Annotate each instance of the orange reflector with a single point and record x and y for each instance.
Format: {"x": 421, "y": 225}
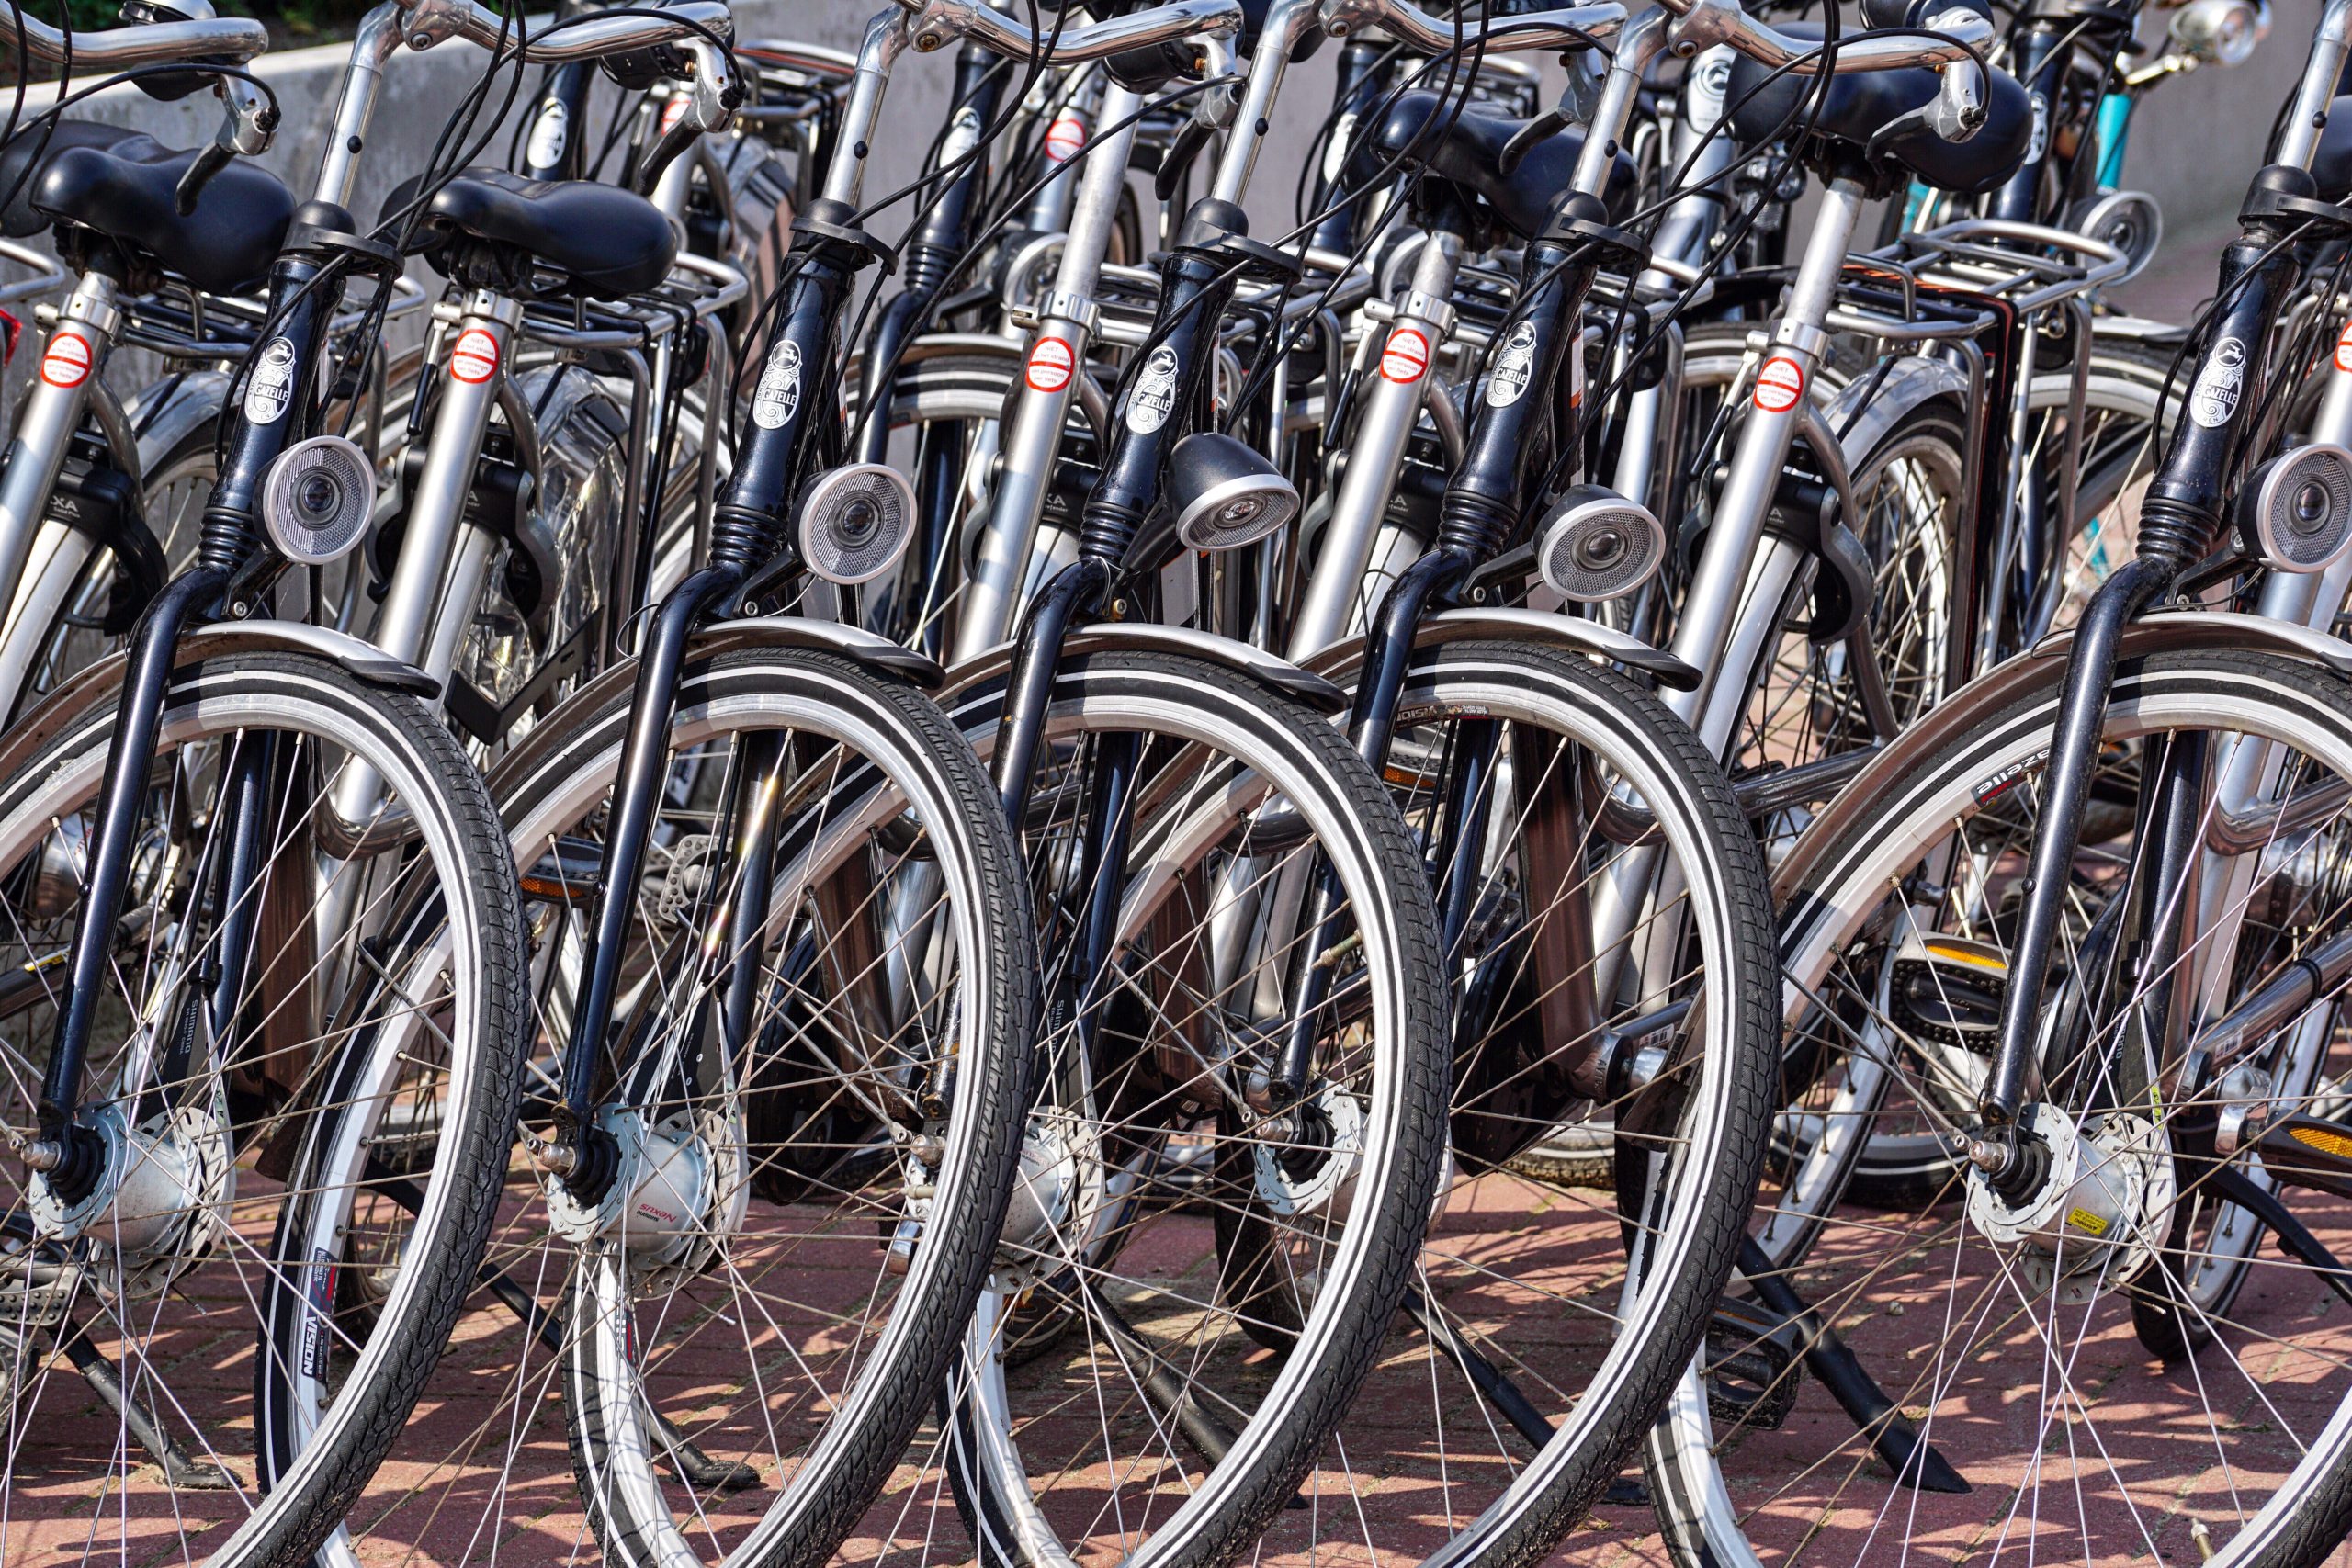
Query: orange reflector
{"x": 2324, "y": 1140}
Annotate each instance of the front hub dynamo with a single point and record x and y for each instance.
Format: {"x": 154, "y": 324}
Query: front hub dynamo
{"x": 2099, "y": 1212}
{"x": 161, "y": 1200}
{"x": 678, "y": 1192}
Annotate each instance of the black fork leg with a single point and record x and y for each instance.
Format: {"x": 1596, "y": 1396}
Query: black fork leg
{"x": 66, "y": 1153}
{"x": 576, "y": 1156}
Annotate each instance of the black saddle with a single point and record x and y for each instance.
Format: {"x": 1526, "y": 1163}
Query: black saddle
{"x": 125, "y": 185}
{"x": 2332, "y": 161}
{"x": 1469, "y": 152}
{"x": 606, "y": 240}
{"x": 1862, "y": 104}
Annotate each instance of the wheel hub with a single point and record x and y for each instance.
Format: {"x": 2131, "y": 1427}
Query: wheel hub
{"x": 678, "y": 1192}
{"x": 160, "y": 1201}
{"x": 2094, "y": 1218}
{"x": 1290, "y": 1184}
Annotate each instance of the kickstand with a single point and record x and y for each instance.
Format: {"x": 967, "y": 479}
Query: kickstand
{"x": 178, "y": 1468}
{"x": 1494, "y": 1385}
{"x": 1201, "y": 1427}
{"x": 1914, "y": 1459}
{"x": 680, "y": 1452}
{"x": 2229, "y": 1182}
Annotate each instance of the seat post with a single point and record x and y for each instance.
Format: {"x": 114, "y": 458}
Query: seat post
{"x": 71, "y": 358}
{"x": 1718, "y": 595}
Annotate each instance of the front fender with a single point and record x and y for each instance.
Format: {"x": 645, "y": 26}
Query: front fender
{"x": 1544, "y": 628}
{"x": 2160, "y": 631}
{"x": 1120, "y": 636}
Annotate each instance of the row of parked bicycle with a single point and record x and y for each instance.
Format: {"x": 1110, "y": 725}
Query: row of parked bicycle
{"x": 1621, "y": 821}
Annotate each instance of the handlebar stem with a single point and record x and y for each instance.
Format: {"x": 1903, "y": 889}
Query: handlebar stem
{"x": 2331, "y": 40}
{"x": 1645, "y": 36}
{"x": 1286, "y": 24}
{"x": 886, "y": 40}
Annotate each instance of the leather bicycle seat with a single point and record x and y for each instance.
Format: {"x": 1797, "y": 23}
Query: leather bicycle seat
{"x": 2332, "y": 160}
{"x": 1467, "y": 149}
{"x": 1862, "y": 104}
{"x": 125, "y": 185}
{"x": 606, "y": 240}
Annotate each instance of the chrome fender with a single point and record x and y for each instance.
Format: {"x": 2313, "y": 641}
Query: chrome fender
{"x": 1117, "y": 636}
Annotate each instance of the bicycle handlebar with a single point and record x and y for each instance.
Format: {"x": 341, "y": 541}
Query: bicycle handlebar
{"x": 1697, "y": 24}
{"x": 425, "y": 23}
{"x": 232, "y": 38}
{"x": 1959, "y": 30}
{"x": 1568, "y": 28}
{"x": 934, "y": 23}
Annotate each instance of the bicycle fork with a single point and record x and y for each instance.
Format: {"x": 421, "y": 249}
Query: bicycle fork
{"x": 2179, "y": 519}
{"x": 68, "y": 1156}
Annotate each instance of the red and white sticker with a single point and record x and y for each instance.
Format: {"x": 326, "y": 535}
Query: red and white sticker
{"x": 2343, "y": 348}
{"x": 1064, "y": 138}
{"x": 1049, "y": 365}
{"x": 66, "y": 363}
{"x": 1778, "y": 385}
{"x": 1406, "y": 356}
{"x": 673, "y": 112}
{"x": 475, "y": 358}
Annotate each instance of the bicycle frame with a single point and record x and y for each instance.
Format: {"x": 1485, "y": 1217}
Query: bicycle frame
{"x": 236, "y": 567}
{"x": 2179, "y": 519}
{"x": 752, "y": 554}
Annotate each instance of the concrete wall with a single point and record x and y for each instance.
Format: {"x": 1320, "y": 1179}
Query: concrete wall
{"x": 2200, "y": 137}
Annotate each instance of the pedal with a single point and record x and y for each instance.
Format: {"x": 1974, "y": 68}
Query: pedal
{"x": 1949, "y": 989}
{"x": 568, "y": 873}
{"x": 1750, "y": 1367}
{"x": 2308, "y": 1152}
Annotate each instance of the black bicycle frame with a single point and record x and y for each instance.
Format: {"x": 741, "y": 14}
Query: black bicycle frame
{"x": 2180, "y": 519}
{"x": 1158, "y": 399}
{"x": 751, "y": 547}
{"x": 234, "y": 559}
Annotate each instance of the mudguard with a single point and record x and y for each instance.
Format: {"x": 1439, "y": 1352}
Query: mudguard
{"x": 2160, "y": 631}
{"x": 1114, "y": 637}
{"x": 1544, "y": 628}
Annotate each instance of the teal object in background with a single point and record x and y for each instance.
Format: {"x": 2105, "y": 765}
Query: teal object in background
{"x": 2114, "y": 125}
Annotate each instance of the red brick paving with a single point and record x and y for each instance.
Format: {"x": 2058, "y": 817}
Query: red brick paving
{"x": 441, "y": 1499}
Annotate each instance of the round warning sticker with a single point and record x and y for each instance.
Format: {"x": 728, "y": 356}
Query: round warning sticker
{"x": 1406, "y": 356}
{"x": 1049, "y": 365}
{"x": 67, "y": 365}
{"x": 1779, "y": 386}
{"x": 475, "y": 358}
{"x": 1064, "y": 138}
{"x": 2343, "y": 348}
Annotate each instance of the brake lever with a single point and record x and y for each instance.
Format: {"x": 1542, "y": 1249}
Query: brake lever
{"x": 703, "y": 102}
{"x": 1550, "y": 122}
{"x": 248, "y": 120}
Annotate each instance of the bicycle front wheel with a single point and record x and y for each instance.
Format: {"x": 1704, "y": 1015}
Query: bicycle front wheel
{"x": 2155, "y": 1368}
{"x": 814, "y": 1084}
{"x": 1240, "y": 1131}
{"x": 173, "y": 1346}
